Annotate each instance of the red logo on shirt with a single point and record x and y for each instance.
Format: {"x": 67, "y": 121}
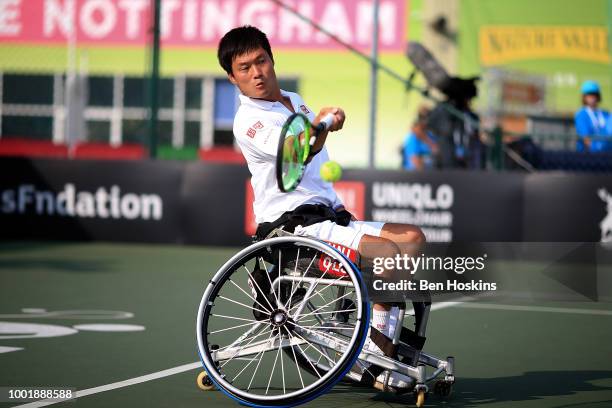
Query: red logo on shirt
{"x": 258, "y": 125}
{"x": 304, "y": 109}
{"x": 251, "y": 132}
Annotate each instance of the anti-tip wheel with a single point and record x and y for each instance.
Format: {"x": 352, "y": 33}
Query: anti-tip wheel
{"x": 420, "y": 398}
{"x": 204, "y": 383}
{"x": 443, "y": 388}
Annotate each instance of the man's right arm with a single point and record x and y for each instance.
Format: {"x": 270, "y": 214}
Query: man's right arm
{"x": 338, "y": 122}
{"x": 262, "y": 134}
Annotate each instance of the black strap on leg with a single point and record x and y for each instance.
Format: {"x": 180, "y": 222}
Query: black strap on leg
{"x": 388, "y": 348}
{"x": 412, "y": 339}
{"x": 383, "y": 342}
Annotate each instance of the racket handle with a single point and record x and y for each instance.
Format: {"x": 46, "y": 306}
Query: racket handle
{"x": 326, "y": 122}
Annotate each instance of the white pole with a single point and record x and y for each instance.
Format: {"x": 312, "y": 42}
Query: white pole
{"x": 69, "y": 86}
{"x": 373, "y": 85}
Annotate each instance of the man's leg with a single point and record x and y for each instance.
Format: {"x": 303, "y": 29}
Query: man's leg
{"x": 390, "y": 240}
{"x": 409, "y": 238}
{"x": 395, "y": 239}
{"x": 373, "y": 239}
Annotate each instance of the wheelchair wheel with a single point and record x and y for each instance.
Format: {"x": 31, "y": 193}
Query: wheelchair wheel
{"x": 282, "y": 321}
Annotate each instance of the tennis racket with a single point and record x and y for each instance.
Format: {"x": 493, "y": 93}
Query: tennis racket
{"x": 297, "y": 137}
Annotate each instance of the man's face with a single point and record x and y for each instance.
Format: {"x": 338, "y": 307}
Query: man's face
{"x": 591, "y": 100}
{"x": 253, "y": 73}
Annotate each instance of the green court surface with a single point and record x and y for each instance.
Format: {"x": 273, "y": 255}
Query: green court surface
{"x": 544, "y": 354}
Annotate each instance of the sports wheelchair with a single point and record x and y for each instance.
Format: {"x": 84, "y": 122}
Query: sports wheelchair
{"x": 286, "y": 318}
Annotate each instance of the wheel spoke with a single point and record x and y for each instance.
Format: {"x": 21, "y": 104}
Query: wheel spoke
{"x": 320, "y": 290}
{"x": 321, "y": 296}
{"x": 317, "y": 317}
{"x": 258, "y": 363}
{"x": 325, "y": 305}
{"x": 235, "y": 318}
{"x": 259, "y": 288}
{"x": 238, "y": 340}
{"x": 280, "y": 340}
{"x": 230, "y": 328}
{"x": 324, "y": 334}
{"x": 271, "y": 286}
{"x": 250, "y": 362}
{"x": 327, "y": 327}
{"x": 297, "y": 365}
{"x": 329, "y": 311}
{"x": 292, "y": 281}
{"x": 316, "y": 349}
{"x": 303, "y": 276}
{"x": 242, "y": 304}
{"x": 239, "y": 350}
{"x": 248, "y": 295}
{"x": 278, "y": 278}
{"x": 282, "y": 365}
{"x": 304, "y": 353}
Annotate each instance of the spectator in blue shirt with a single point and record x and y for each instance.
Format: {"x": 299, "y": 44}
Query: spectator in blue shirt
{"x": 592, "y": 121}
{"x": 420, "y": 146}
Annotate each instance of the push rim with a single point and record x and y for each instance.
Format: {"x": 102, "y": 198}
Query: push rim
{"x": 337, "y": 371}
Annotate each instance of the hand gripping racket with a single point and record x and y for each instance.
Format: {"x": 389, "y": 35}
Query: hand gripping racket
{"x": 297, "y": 137}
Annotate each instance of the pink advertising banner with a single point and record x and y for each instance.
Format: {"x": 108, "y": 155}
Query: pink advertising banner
{"x": 201, "y": 22}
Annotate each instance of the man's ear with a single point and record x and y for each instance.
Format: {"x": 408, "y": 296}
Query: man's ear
{"x": 232, "y": 79}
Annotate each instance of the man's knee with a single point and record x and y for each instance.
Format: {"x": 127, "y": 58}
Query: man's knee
{"x": 380, "y": 255}
{"x": 415, "y": 235}
{"x": 405, "y": 233}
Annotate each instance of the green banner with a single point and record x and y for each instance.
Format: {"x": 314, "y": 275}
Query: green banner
{"x": 562, "y": 40}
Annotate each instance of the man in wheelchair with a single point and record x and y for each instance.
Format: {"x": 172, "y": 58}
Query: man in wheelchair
{"x": 313, "y": 209}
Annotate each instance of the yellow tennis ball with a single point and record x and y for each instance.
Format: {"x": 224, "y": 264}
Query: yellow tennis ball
{"x": 331, "y": 171}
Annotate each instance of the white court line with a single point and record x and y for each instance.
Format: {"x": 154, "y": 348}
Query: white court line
{"x": 535, "y": 308}
{"x": 442, "y": 305}
{"x": 120, "y": 384}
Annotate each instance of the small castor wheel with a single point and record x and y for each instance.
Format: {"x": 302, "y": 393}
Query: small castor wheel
{"x": 443, "y": 388}
{"x": 420, "y": 401}
{"x": 204, "y": 383}
{"x": 420, "y": 398}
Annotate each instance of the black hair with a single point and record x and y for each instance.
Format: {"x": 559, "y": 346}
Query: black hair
{"x": 238, "y": 41}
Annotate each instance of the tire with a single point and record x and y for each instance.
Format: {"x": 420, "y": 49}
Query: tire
{"x": 249, "y": 330}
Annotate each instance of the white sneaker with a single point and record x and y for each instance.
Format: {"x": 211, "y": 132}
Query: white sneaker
{"x": 361, "y": 367}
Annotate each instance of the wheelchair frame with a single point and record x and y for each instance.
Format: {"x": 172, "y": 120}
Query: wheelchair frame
{"x": 332, "y": 338}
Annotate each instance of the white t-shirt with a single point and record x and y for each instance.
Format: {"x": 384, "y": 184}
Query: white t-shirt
{"x": 257, "y": 128}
